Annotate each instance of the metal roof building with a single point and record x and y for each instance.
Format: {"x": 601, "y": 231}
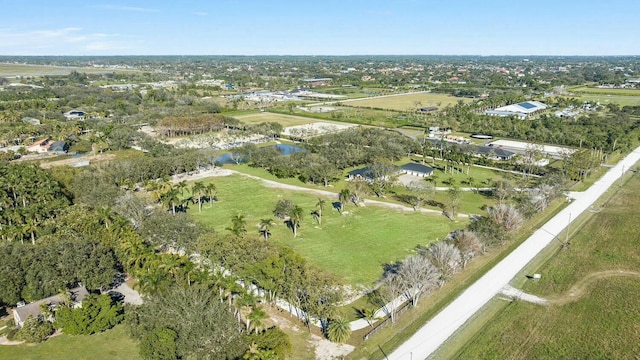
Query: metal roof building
{"x": 521, "y": 110}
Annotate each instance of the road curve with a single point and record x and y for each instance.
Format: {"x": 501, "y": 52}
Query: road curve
{"x": 434, "y": 333}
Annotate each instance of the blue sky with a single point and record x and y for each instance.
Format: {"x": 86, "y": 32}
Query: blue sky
{"x": 319, "y": 27}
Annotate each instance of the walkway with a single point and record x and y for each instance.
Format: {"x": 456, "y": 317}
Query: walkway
{"x": 433, "y": 334}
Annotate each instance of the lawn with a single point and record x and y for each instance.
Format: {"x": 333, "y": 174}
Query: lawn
{"x": 354, "y": 246}
{"x": 622, "y": 100}
{"x": 112, "y": 344}
{"x": 9, "y": 70}
{"x": 605, "y": 91}
{"x": 602, "y": 319}
{"x": 405, "y": 102}
{"x": 284, "y": 120}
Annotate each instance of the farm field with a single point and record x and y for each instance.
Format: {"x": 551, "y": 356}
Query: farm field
{"x": 593, "y": 288}
{"x": 622, "y": 100}
{"x": 10, "y": 70}
{"x": 595, "y": 90}
{"x": 282, "y": 119}
{"x": 408, "y": 101}
{"x": 112, "y": 344}
{"x": 353, "y": 246}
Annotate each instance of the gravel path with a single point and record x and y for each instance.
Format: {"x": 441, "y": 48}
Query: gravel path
{"x": 434, "y": 333}
{"x": 217, "y": 171}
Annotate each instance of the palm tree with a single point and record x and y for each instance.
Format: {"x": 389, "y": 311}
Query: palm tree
{"x": 339, "y": 330}
{"x": 256, "y": 316}
{"x": 198, "y": 190}
{"x": 369, "y": 314}
{"x": 30, "y": 228}
{"x": 181, "y": 186}
{"x": 238, "y": 225}
{"x": 265, "y": 224}
{"x": 105, "y": 216}
{"x": 210, "y": 190}
{"x": 296, "y": 215}
{"x": 344, "y": 197}
{"x": 152, "y": 281}
{"x": 320, "y": 206}
{"x": 170, "y": 199}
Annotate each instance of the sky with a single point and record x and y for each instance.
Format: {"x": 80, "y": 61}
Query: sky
{"x": 320, "y": 27}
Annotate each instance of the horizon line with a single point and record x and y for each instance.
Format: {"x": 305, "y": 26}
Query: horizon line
{"x": 328, "y": 55}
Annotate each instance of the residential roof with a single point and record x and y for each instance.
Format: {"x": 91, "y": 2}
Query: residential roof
{"x": 21, "y": 313}
{"x": 39, "y": 143}
{"x": 58, "y": 146}
{"x": 417, "y": 168}
{"x": 363, "y": 172}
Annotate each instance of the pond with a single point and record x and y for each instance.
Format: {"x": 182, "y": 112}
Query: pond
{"x": 285, "y": 149}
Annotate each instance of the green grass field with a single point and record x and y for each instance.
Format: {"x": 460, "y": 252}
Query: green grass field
{"x": 353, "y": 246}
{"x": 284, "y": 120}
{"x": 622, "y": 100}
{"x": 10, "y": 70}
{"x": 594, "y": 311}
{"x": 408, "y": 102}
{"x": 112, "y": 344}
{"x": 605, "y": 91}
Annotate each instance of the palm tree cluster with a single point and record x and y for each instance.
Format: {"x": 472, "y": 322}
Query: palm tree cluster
{"x": 182, "y": 125}
{"x": 28, "y": 196}
{"x": 174, "y": 196}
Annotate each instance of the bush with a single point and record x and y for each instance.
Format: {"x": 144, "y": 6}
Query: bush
{"x": 159, "y": 344}
{"x": 339, "y": 330}
{"x": 272, "y": 340}
{"x": 35, "y": 330}
{"x": 98, "y": 313}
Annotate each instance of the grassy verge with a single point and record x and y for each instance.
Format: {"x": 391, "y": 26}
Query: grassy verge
{"x": 112, "y": 344}
{"x": 600, "y": 321}
{"x": 408, "y": 323}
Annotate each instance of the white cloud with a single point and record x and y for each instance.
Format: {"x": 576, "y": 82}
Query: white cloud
{"x": 200, "y": 13}
{"x": 126, "y": 8}
{"x": 66, "y": 41}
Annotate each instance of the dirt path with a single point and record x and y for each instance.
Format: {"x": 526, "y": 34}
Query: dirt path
{"x": 334, "y": 195}
{"x": 274, "y": 184}
{"x": 581, "y": 288}
{"x": 321, "y": 348}
{"x": 92, "y": 159}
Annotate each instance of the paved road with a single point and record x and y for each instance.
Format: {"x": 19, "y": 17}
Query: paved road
{"x": 427, "y": 340}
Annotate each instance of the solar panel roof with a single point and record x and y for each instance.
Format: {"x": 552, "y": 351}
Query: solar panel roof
{"x": 527, "y": 105}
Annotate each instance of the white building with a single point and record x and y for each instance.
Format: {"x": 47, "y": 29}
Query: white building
{"x": 521, "y": 110}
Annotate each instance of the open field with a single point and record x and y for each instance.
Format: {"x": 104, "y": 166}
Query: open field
{"x": 606, "y": 91}
{"x": 408, "y": 102}
{"x": 112, "y": 344}
{"x": 593, "y": 291}
{"x": 11, "y": 70}
{"x": 284, "y": 120}
{"x": 622, "y": 100}
{"x": 354, "y": 246}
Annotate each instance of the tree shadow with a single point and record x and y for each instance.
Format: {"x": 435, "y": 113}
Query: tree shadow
{"x": 336, "y": 205}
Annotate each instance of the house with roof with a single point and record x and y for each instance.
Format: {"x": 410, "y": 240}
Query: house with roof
{"x": 365, "y": 173}
{"x": 30, "y": 120}
{"x": 58, "y": 147}
{"x": 494, "y": 153}
{"x": 40, "y": 146}
{"x": 22, "y": 312}
{"x": 521, "y": 110}
{"x": 75, "y": 115}
{"x": 416, "y": 169}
